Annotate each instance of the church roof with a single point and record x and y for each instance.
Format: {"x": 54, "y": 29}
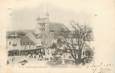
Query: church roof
{"x": 26, "y": 39}
{"x": 21, "y": 34}
{"x": 57, "y": 27}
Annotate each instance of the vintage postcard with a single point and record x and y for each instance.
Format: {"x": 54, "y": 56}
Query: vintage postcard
{"x": 57, "y": 36}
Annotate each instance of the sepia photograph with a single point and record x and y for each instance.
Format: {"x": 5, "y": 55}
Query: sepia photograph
{"x": 54, "y": 36}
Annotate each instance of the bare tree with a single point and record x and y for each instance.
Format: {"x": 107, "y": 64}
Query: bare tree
{"x": 76, "y": 42}
{"x": 80, "y": 39}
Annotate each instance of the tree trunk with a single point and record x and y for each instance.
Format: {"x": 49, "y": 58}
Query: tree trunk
{"x": 79, "y": 56}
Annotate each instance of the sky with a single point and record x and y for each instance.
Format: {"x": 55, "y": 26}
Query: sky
{"x": 25, "y": 18}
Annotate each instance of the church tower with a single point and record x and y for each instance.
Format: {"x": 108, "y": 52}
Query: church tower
{"x": 42, "y": 22}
